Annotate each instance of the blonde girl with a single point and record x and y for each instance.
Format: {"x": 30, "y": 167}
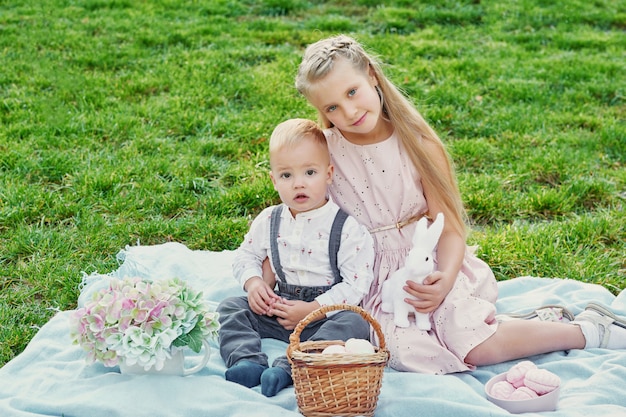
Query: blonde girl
{"x": 391, "y": 169}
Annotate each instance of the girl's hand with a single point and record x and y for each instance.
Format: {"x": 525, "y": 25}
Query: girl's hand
{"x": 261, "y": 297}
{"x": 268, "y": 274}
{"x": 430, "y": 294}
{"x": 290, "y": 312}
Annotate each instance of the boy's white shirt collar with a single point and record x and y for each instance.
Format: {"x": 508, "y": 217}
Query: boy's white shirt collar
{"x": 325, "y": 210}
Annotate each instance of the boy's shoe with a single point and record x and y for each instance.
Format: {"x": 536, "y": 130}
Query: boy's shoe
{"x": 273, "y": 380}
{"x": 246, "y": 373}
{"x": 548, "y": 312}
{"x": 601, "y": 327}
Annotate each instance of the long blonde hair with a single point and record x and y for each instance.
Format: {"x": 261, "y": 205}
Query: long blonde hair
{"x": 407, "y": 121}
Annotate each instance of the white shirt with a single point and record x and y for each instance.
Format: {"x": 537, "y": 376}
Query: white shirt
{"x": 303, "y": 250}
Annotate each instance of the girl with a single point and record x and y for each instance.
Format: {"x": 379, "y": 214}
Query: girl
{"x": 391, "y": 169}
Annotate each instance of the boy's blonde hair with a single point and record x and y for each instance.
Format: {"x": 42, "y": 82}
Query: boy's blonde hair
{"x": 408, "y": 123}
{"x": 293, "y": 131}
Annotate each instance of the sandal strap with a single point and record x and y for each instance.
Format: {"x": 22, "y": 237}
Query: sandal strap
{"x": 603, "y": 311}
{"x": 550, "y": 312}
{"x": 603, "y": 322}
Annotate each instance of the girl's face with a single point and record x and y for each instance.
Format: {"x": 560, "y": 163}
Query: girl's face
{"x": 348, "y": 98}
{"x": 301, "y": 175}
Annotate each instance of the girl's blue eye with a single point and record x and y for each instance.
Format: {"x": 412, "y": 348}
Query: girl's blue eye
{"x": 331, "y": 108}
{"x": 352, "y": 92}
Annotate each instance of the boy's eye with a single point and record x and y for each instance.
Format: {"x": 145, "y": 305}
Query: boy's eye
{"x": 310, "y": 172}
{"x": 285, "y": 175}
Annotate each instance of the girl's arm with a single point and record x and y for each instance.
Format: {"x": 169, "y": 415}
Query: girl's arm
{"x": 450, "y": 251}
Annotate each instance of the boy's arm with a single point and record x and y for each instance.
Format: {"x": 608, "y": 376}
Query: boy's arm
{"x": 250, "y": 265}
{"x": 249, "y": 257}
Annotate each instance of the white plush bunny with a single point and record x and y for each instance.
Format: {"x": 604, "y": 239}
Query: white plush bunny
{"x": 419, "y": 263}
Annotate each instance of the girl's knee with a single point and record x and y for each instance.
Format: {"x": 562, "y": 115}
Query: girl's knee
{"x": 483, "y": 354}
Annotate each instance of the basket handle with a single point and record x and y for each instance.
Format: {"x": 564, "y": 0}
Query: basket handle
{"x": 294, "y": 338}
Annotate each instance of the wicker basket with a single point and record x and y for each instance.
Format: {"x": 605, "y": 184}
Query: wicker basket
{"x": 335, "y": 384}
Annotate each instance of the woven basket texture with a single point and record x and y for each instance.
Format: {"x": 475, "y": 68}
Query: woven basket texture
{"x": 343, "y": 384}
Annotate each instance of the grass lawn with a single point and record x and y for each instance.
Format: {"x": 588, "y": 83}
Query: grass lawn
{"x": 125, "y": 122}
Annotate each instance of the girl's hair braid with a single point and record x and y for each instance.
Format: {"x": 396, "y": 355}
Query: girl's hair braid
{"x": 409, "y": 124}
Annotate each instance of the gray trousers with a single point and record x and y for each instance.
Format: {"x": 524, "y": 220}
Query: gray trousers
{"x": 241, "y": 331}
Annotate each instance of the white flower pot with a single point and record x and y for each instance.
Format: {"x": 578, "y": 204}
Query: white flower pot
{"x": 173, "y": 366}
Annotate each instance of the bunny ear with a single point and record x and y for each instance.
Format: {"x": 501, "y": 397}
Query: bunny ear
{"x": 435, "y": 229}
{"x": 421, "y": 231}
{"x": 427, "y": 237}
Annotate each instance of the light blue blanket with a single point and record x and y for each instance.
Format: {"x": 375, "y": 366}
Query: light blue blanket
{"x": 51, "y": 378}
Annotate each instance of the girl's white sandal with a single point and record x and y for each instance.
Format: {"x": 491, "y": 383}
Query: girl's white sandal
{"x": 602, "y": 318}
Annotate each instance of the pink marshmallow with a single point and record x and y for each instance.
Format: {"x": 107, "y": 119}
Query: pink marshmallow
{"x": 502, "y": 390}
{"x": 522, "y": 393}
{"x": 541, "y": 381}
{"x": 516, "y": 374}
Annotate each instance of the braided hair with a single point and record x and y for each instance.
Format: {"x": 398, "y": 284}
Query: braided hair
{"x": 410, "y": 126}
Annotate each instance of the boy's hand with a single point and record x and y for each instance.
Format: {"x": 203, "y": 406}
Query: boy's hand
{"x": 260, "y": 296}
{"x": 290, "y": 312}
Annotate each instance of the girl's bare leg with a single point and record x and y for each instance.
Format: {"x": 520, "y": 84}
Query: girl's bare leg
{"x": 518, "y": 339}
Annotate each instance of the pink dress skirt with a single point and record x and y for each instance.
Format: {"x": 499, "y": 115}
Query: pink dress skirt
{"x": 379, "y": 186}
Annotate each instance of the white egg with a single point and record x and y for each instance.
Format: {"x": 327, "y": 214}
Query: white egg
{"x": 334, "y": 349}
{"x": 359, "y": 346}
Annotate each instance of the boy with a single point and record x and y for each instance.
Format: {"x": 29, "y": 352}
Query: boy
{"x": 312, "y": 267}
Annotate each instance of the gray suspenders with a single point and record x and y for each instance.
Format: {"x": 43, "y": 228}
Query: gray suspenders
{"x": 301, "y": 292}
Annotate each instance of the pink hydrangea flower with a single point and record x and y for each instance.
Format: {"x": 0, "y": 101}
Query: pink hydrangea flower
{"x": 139, "y": 321}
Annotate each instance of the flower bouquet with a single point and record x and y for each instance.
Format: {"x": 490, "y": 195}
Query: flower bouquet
{"x": 139, "y": 321}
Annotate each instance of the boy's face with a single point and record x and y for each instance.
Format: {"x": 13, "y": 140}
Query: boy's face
{"x": 301, "y": 175}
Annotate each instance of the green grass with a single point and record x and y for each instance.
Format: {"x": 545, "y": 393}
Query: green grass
{"x": 147, "y": 121}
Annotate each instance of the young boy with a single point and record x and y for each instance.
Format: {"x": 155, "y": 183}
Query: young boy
{"x": 312, "y": 267}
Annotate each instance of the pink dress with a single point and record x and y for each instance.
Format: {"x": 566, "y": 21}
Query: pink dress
{"x": 379, "y": 186}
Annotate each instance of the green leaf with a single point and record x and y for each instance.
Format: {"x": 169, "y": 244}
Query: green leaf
{"x": 193, "y": 339}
